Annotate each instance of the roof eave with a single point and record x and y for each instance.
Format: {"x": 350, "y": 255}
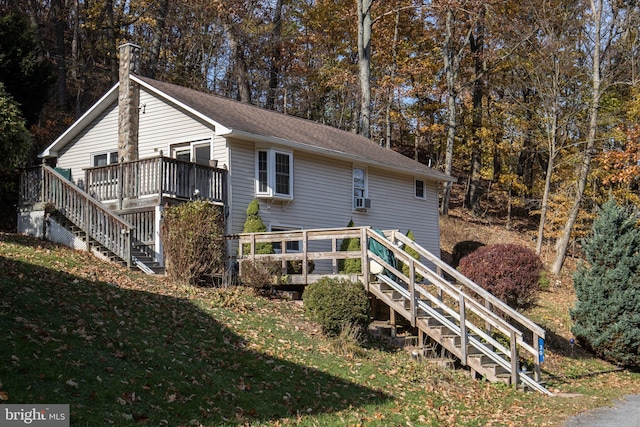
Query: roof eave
{"x": 430, "y": 174}
{"x": 217, "y": 126}
{"x": 93, "y": 112}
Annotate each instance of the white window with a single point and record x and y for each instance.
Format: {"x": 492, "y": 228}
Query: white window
{"x": 104, "y": 159}
{"x": 360, "y": 201}
{"x": 274, "y": 174}
{"x": 420, "y": 189}
{"x": 195, "y": 151}
{"x": 291, "y": 246}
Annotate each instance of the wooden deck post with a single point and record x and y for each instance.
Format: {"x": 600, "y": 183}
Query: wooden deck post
{"x": 364, "y": 264}
{"x": 412, "y": 290}
{"x": 464, "y": 339}
{"x": 514, "y": 360}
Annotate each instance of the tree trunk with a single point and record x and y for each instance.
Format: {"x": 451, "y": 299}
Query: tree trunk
{"x": 238, "y": 65}
{"x": 364, "y": 65}
{"x": 476, "y": 45}
{"x": 156, "y": 41}
{"x": 57, "y": 9}
{"x": 111, "y": 39}
{"x": 276, "y": 56}
{"x": 450, "y": 60}
{"x": 563, "y": 242}
{"x": 390, "y": 90}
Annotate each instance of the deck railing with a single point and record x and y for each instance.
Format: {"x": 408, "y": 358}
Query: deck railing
{"x": 463, "y": 299}
{"x": 98, "y": 223}
{"x": 156, "y": 176}
{"x": 31, "y": 185}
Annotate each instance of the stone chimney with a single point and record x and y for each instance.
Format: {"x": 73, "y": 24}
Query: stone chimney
{"x": 128, "y": 103}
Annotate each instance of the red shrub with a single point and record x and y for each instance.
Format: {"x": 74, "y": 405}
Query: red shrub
{"x": 510, "y": 272}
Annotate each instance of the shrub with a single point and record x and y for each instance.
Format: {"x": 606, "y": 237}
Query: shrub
{"x": 344, "y": 246}
{"x": 254, "y": 224}
{"x": 192, "y": 235}
{"x": 510, "y": 272}
{"x": 352, "y": 265}
{"x": 607, "y": 312}
{"x": 462, "y": 249}
{"x": 336, "y": 304}
{"x": 295, "y": 267}
{"x": 260, "y": 275}
{"x": 414, "y": 254}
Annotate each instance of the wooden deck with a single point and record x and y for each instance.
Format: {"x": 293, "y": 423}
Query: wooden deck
{"x": 483, "y": 332}
{"x": 119, "y": 211}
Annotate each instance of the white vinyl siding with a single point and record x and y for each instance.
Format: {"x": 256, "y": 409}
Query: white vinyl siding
{"x": 161, "y": 125}
{"x": 100, "y": 136}
{"x": 324, "y": 197}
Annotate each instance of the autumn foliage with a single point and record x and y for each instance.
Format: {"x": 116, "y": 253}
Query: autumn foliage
{"x": 510, "y": 272}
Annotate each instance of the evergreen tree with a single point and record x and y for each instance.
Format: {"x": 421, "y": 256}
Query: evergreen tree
{"x": 413, "y": 253}
{"x": 254, "y": 224}
{"x": 15, "y": 145}
{"x": 344, "y": 246}
{"x": 27, "y": 76}
{"x": 607, "y": 312}
{"x": 353, "y": 265}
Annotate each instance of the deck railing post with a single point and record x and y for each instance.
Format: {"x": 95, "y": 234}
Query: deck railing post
{"x": 514, "y": 360}
{"x": 160, "y": 177}
{"x": 364, "y": 264}
{"x": 305, "y": 261}
{"x": 412, "y": 290}
{"x": 128, "y": 246}
{"x": 536, "y": 358}
{"x": 464, "y": 340}
{"x": 120, "y": 183}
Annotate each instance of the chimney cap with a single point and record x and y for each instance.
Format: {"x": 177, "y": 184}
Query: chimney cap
{"x": 127, "y": 44}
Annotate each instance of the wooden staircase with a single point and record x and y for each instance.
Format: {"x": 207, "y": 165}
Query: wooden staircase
{"x": 94, "y": 224}
{"x": 486, "y": 335}
{"x": 471, "y": 324}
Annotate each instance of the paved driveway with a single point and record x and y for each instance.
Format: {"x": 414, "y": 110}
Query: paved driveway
{"x": 624, "y": 413}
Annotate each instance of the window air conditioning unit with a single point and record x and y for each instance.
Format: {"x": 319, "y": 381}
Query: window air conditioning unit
{"x": 362, "y": 204}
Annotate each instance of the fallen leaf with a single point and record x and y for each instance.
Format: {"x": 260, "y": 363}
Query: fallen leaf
{"x": 72, "y": 383}
{"x": 4, "y": 395}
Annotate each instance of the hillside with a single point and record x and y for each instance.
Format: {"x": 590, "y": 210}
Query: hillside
{"x": 123, "y": 348}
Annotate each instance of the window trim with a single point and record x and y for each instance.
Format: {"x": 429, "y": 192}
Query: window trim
{"x": 107, "y": 153}
{"x": 424, "y": 189}
{"x": 270, "y": 185}
{"x": 192, "y": 145}
{"x": 364, "y": 189}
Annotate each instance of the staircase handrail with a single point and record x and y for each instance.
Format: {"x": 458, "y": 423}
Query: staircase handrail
{"x": 514, "y": 334}
{"x": 447, "y": 287}
{"x": 472, "y": 340}
{"x": 114, "y": 232}
{"x": 496, "y": 302}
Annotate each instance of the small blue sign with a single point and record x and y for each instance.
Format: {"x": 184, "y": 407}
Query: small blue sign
{"x": 541, "y": 349}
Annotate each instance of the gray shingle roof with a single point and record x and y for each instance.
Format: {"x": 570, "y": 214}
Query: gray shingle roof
{"x": 303, "y": 133}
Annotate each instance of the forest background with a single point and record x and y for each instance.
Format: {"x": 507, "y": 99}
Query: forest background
{"x": 533, "y": 105}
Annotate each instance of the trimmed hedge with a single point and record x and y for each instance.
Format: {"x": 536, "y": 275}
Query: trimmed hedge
{"x": 336, "y": 303}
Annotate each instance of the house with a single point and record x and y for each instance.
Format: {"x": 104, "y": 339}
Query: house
{"x": 146, "y": 143}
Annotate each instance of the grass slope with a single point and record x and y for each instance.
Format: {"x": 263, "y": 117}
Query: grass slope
{"x": 123, "y": 348}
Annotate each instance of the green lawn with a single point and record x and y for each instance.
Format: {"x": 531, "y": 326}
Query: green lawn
{"x": 123, "y": 348}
